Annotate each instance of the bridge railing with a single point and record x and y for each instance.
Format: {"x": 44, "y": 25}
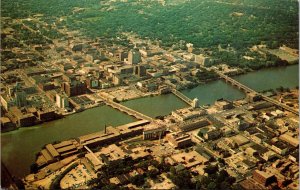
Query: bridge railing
{"x": 182, "y": 96}
{"x": 128, "y": 110}
{"x": 247, "y": 89}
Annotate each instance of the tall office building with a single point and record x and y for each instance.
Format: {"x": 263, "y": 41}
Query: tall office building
{"x": 20, "y": 95}
{"x": 62, "y": 100}
{"x": 140, "y": 70}
{"x": 20, "y": 98}
{"x": 74, "y": 88}
{"x": 134, "y": 57}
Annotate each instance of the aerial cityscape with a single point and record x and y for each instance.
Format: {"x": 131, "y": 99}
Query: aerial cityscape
{"x": 150, "y": 94}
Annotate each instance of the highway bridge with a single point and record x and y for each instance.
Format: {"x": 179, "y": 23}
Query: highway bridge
{"x": 249, "y": 90}
{"x": 125, "y": 109}
{"x": 182, "y": 97}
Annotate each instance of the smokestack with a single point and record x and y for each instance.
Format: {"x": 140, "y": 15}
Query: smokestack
{"x": 105, "y": 129}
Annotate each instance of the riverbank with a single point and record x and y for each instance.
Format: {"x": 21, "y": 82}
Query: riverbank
{"x": 151, "y": 94}
{"x": 18, "y": 147}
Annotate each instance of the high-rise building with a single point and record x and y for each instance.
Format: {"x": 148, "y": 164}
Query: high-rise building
{"x": 62, "y": 101}
{"x": 140, "y": 70}
{"x": 20, "y": 98}
{"x": 122, "y": 55}
{"x": 74, "y": 88}
{"x": 92, "y": 82}
{"x": 134, "y": 57}
{"x": 20, "y": 95}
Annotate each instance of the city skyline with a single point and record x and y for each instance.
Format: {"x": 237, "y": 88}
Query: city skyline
{"x": 161, "y": 94}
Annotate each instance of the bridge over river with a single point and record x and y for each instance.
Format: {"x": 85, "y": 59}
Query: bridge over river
{"x": 249, "y": 90}
{"x": 125, "y": 109}
{"x": 182, "y": 97}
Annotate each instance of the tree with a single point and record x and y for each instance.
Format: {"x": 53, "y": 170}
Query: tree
{"x": 34, "y": 168}
{"x": 111, "y": 187}
{"x": 155, "y": 163}
{"x": 230, "y": 180}
{"x": 211, "y": 169}
{"x": 182, "y": 179}
{"x": 222, "y": 176}
{"x": 212, "y": 186}
{"x": 173, "y": 170}
{"x": 225, "y": 185}
{"x": 152, "y": 173}
{"x": 137, "y": 180}
{"x": 204, "y": 180}
{"x": 221, "y": 160}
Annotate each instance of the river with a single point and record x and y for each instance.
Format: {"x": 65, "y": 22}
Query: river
{"x": 19, "y": 147}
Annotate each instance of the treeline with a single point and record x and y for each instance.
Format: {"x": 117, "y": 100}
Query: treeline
{"x": 205, "y": 23}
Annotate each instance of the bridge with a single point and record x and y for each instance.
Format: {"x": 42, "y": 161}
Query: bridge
{"x": 249, "y": 90}
{"x": 92, "y": 153}
{"x": 125, "y": 109}
{"x": 236, "y": 83}
{"x": 284, "y": 106}
{"x": 182, "y": 97}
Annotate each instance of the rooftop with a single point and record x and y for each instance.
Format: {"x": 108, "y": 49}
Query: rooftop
{"x": 189, "y": 159}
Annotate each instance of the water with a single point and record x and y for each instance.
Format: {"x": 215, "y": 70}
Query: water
{"x": 157, "y": 105}
{"x": 19, "y": 147}
{"x": 210, "y": 92}
{"x": 272, "y": 78}
{"x": 265, "y": 79}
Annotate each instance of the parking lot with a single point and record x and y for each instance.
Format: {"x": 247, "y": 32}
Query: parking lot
{"x": 76, "y": 177}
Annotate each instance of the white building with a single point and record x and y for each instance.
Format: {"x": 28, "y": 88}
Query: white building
{"x": 62, "y": 101}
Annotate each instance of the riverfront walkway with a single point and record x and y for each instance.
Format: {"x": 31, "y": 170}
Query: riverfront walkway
{"x": 125, "y": 109}
{"x": 182, "y": 97}
{"x": 249, "y": 90}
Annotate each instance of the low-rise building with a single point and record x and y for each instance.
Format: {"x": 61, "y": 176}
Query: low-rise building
{"x": 279, "y": 147}
{"x": 189, "y": 159}
{"x": 179, "y": 139}
{"x": 290, "y": 139}
{"x": 269, "y": 155}
{"x": 294, "y": 156}
{"x": 240, "y": 140}
{"x": 6, "y": 124}
{"x": 190, "y": 125}
{"x": 224, "y": 104}
{"x": 250, "y": 184}
{"x": 188, "y": 113}
{"x": 153, "y": 132}
{"x": 212, "y": 135}
{"x": 264, "y": 178}
{"x": 46, "y": 115}
{"x": 258, "y": 138}
{"x": 139, "y": 153}
{"x": 22, "y": 118}
{"x": 105, "y": 156}
{"x": 202, "y": 60}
